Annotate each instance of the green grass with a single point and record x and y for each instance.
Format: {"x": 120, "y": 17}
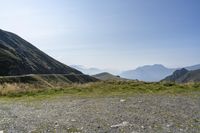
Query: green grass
{"x": 106, "y": 88}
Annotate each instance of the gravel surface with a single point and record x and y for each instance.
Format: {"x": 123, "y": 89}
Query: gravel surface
{"x": 136, "y": 114}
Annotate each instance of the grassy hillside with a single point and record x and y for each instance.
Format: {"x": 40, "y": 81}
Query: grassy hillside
{"x": 20, "y": 85}
{"x": 107, "y": 76}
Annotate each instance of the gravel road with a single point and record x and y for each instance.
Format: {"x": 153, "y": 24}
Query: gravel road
{"x": 136, "y": 114}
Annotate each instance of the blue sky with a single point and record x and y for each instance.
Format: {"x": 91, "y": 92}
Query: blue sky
{"x": 116, "y": 34}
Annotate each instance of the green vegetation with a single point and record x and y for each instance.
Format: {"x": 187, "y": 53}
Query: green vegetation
{"x": 107, "y": 76}
{"x": 99, "y": 89}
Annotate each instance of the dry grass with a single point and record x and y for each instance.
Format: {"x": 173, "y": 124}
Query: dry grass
{"x": 7, "y": 88}
{"x": 104, "y": 88}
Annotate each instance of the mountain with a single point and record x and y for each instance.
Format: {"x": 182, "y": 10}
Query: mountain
{"x": 148, "y": 73}
{"x": 195, "y": 67}
{"x": 85, "y": 70}
{"x": 176, "y": 75}
{"x": 107, "y": 76}
{"x": 184, "y": 76}
{"x": 19, "y": 57}
{"x": 93, "y": 70}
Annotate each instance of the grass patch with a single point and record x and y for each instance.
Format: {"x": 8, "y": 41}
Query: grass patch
{"x": 99, "y": 89}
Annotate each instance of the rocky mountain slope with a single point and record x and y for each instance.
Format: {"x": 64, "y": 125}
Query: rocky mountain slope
{"x": 19, "y": 57}
{"x": 184, "y": 76}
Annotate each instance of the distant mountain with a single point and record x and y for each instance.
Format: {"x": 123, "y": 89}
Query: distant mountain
{"x": 195, "y": 67}
{"x": 85, "y": 70}
{"x": 19, "y": 57}
{"x": 184, "y": 76}
{"x": 92, "y": 70}
{"x": 107, "y": 76}
{"x": 148, "y": 73}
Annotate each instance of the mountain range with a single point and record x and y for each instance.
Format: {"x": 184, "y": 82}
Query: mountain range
{"x": 153, "y": 73}
{"x": 149, "y": 73}
{"x": 19, "y": 57}
{"x": 93, "y": 70}
{"x": 85, "y": 70}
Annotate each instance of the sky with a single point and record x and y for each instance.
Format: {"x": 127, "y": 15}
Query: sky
{"x": 111, "y": 34}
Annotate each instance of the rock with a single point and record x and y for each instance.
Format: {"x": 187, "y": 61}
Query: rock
{"x": 150, "y": 127}
{"x": 73, "y": 120}
{"x": 134, "y": 132}
{"x": 122, "y": 100}
{"x": 142, "y": 127}
{"x": 123, "y": 124}
{"x": 56, "y": 124}
{"x": 168, "y": 125}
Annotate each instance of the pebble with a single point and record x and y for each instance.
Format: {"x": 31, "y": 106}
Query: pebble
{"x": 142, "y": 127}
{"x": 122, "y": 100}
{"x": 181, "y": 129}
{"x": 168, "y": 125}
{"x": 150, "y": 127}
{"x": 73, "y": 120}
{"x": 56, "y": 124}
{"x": 123, "y": 124}
{"x": 134, "y": 132}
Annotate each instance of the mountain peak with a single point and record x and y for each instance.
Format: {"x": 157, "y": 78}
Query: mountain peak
{"x": 154, "y": 72}
{"x": 181, "y": 71}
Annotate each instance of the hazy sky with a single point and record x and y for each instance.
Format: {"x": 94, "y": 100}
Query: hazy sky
{"x": 118, "y": 34}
